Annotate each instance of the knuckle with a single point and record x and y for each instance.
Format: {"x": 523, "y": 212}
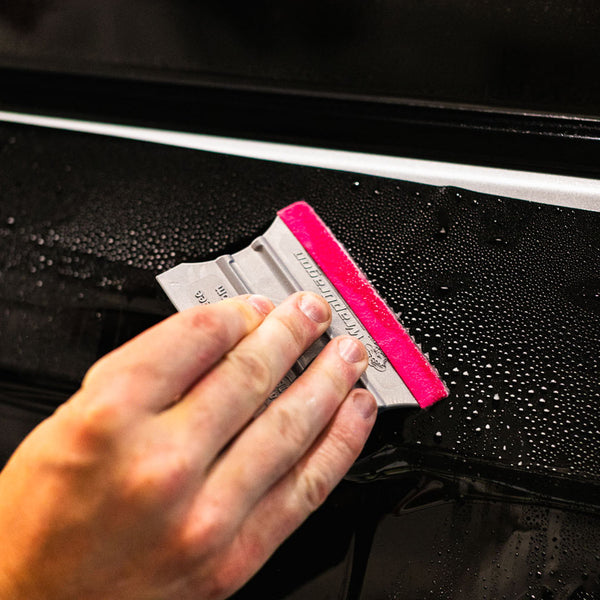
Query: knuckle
{"x": 136, "y": 487}
{"x": 96, "y": 372}
{"x": 290, "y": 426}
{"x": 334, "y": 460}
{"x": 96, "y": 420}
{"x": 228, "y": 578}
{"x": 254, "y": 368}
{"x": 152, "y": 481}
{"x": 203, "y": 320}
{"x": 315, "y": 488}
{"x": 176, "y": 477}
{"x": 344, "y": 444}
{"x": 252, "y": 547}
{"x": 104, "y": 405}
{"x": 220, "y": 586}
{"x": 209, "y": 324}
{"x": 206, "y": 533}
{"x": 114, "y": 384}
{"x": 119, "y": 371}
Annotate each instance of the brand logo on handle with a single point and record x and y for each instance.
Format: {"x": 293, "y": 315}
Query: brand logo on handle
{"x": 377, "y": 359}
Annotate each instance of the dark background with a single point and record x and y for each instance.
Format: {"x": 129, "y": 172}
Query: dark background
{"x": 506, "y": 84}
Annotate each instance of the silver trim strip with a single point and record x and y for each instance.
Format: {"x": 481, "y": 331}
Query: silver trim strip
{"x": 559, "y": 190}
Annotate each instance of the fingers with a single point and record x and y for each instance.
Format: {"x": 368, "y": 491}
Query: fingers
{"x": 220, "y": 405}
{"x": 302, "y": 490}
{"x": 272, "y": 444}
{"x": 157, "y": 366}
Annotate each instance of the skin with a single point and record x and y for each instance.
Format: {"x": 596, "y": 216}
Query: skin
{"x": 155, "y": 481}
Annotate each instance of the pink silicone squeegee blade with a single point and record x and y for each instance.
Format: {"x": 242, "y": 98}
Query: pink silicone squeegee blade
{"x": 402, "y": 352}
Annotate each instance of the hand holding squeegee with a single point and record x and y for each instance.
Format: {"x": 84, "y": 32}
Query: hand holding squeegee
{"x": 299, "y": 252}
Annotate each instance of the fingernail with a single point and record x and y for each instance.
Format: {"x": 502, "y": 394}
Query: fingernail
{"x": 351, "y": 350}
{"x": 364, "y": 403}
{"x": 261, "y": 303}
{"x": 314, "y": 307}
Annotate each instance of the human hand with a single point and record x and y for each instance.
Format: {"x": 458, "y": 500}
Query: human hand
{"x": 155, "y": 481}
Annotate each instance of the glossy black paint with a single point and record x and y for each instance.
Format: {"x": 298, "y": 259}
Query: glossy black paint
{"x": 492, "y": 493}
